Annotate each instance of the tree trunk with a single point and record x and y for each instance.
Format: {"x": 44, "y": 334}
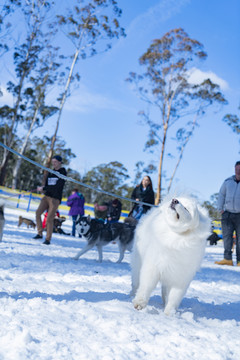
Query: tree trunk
{"x": 54, "y": 138}
{"x": 23, "y": 148}
{"x": 3, "y": 168}
{"x": 159, "y": 186}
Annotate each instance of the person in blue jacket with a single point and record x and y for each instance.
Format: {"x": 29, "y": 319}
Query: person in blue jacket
{"x": 76, "y": 202}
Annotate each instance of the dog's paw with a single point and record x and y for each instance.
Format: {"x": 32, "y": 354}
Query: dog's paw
{"x": 138, "y": 307}
{"x": 139, "y": 304}
{"x": 169, "y": 311}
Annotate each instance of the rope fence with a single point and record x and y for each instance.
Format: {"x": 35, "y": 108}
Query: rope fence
{"x": 29, "y": 201}
{"x": 66, "y": 178}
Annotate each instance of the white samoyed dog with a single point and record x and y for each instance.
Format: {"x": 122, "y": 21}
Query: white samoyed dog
{"x": 169, "y": 246}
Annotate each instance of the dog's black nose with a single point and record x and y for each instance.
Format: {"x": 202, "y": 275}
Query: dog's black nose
{"x": 174, "y": 203}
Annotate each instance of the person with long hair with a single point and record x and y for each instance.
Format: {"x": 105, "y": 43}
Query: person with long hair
{"x": 144, "y": 193}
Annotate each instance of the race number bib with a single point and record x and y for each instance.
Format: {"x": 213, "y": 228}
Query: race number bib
{"x": 52, "y": 181}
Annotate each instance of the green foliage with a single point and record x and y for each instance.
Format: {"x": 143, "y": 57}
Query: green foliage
{"x": 30, "y": 176}
{"x": 233, "y": 121}
{"x": 211, "y": 206}
{"x": 141, "y": 170}
{"x": 91, "y": 27}
{"x": 109, "y": 177}
{"x": 69, "y": 186}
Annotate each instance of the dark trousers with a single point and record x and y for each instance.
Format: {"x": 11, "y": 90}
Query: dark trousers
{"x": 231, "y": 223}
{"x": 74, "y": 218}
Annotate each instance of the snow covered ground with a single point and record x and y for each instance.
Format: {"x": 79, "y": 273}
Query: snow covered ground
{"x": 53, "y": 307}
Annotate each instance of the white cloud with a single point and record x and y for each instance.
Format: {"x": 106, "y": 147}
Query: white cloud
{"x": 161, "y": 12}
{"x": 86, "y": 101}
{"x": 197, "y": 76}
{"x": 6, "y": 98}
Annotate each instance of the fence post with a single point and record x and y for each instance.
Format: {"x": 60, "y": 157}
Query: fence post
{"x": 19, "y": 196}
{"x": 29, "y": 202}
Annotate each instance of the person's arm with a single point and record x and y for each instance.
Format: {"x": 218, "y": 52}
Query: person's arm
{"x": 221, "y": 198}
{"x": 135, "y": 195}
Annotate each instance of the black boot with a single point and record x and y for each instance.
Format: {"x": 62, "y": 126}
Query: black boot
{"x": 37, "y": 236}
{"x": 46, "y": 242}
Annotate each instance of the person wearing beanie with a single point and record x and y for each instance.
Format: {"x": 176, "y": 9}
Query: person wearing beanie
{"x": 114, "y": 211}
{"x": 51, "y": 200}
{"x": 229, "y": 207}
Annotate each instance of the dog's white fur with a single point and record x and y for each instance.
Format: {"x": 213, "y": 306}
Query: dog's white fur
{"x": 168, "y": 247}
{"x": 2, "y": 221}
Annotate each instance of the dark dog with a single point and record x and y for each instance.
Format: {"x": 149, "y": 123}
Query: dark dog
{"x": 213, "y": 238}
{"x": 57, "y": 225}
{"x": 28, "y": 222}
{"x": 2, "y": 220}
{"x": 99, "y": 234}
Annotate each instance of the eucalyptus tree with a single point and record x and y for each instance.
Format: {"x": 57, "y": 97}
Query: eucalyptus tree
{"x": 30, "y": 176}
{"x": 37, "y": 110}
{"x": 233, "y": 121}
{"x": 141, "y": 169}
{"x": 109, "y": 177}
{"x": 211, "y": 206}
{"x": 90, "y": 26}
{"x": 175, "y": 101}
{"x": 6, "y": 8}
{"x": 25, "y": 59}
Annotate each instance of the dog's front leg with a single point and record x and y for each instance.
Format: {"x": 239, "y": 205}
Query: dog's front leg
{"x": 147, "y": 283}
{"x": 100, "y": 256}
{"x": 83, "y": 251}
{"x": 174, "y": 299}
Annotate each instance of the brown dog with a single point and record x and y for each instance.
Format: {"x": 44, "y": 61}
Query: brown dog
{"x": 57, "y": 225}
{"x": 28, "y": 222}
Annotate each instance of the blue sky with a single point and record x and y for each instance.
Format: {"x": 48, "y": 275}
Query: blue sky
{"x": 100, "y": 121}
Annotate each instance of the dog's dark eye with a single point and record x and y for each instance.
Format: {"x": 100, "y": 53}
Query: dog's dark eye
{"x": 178, "y": 216}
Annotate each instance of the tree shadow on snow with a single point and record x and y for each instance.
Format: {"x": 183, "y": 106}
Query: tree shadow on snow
{"x": 225, "y": 311}
{"x": 89, "y": 296}
{"x": 218, "y": 274}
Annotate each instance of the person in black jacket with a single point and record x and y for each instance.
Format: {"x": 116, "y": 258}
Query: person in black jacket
{"x": 51, "y": 200}
{"x": 142, "y": 192}
{"x": 114, "y": 211}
